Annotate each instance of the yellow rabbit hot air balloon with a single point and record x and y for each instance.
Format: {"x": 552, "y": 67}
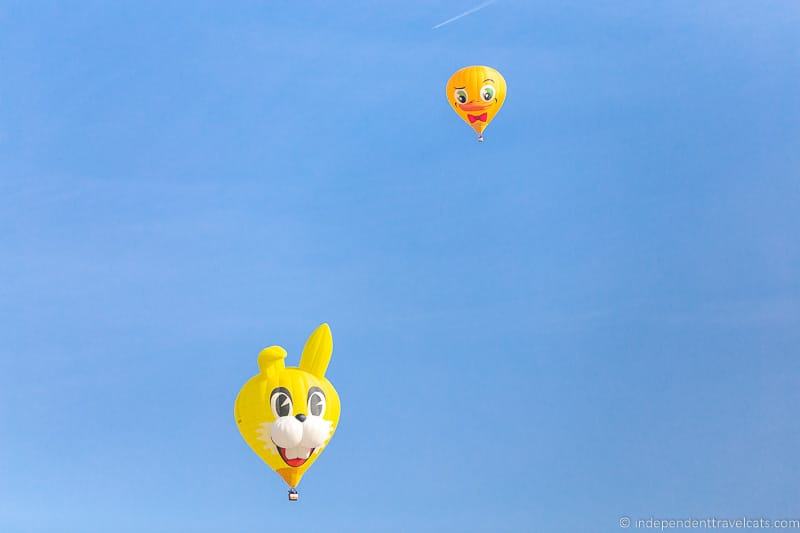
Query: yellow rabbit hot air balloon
{"x": 288, "y": 415}
{"x": 476, "y": 95}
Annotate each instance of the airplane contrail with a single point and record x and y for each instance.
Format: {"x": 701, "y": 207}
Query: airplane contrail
{"x": 465, "y": 13}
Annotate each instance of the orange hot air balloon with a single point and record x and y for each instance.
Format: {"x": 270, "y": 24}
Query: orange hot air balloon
{"x": 476, "y": 94}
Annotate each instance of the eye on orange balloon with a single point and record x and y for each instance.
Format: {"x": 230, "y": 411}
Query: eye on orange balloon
{"x": 476, "y": 94}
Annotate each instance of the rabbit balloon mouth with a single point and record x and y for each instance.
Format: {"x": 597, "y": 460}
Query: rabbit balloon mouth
{"x": 294, "y": 457}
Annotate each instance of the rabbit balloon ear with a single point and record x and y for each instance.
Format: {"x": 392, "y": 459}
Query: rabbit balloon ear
{"x": 270, "y": 360}
{"x": 317, "y": 351}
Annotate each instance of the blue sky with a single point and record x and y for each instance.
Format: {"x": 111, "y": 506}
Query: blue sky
{"x": 595, "y": 313}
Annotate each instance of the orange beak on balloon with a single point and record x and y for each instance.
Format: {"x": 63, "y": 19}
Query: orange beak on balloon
{"x": 475, "y": 106}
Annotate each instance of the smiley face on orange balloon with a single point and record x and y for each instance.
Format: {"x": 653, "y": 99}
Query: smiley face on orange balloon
{"x": 476, "y": 94}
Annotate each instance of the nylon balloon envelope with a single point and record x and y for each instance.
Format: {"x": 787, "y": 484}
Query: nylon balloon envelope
{"x": 476, "y": 94}
{"x": 287, "y": 415}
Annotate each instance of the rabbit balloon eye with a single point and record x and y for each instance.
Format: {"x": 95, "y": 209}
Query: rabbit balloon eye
{"x": 281, "y": 402}
{"x": 316, "y": 401}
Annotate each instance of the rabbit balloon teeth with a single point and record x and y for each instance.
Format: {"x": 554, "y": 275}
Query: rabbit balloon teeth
{"x": 295, "y": 456}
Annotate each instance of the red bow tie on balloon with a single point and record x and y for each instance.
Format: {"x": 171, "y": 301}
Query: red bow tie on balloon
{"x": 473, "y": 118}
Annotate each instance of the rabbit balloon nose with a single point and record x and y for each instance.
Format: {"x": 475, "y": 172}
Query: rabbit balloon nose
{"x": 301, "y": 418}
